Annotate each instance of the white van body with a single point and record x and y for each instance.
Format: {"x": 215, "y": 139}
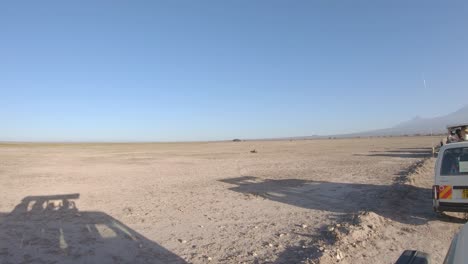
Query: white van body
{"x": 450, "y": 190}
{"x": 457, "y": 253}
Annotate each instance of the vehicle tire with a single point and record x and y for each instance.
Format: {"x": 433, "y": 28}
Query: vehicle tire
{"x": 439, "y": 214}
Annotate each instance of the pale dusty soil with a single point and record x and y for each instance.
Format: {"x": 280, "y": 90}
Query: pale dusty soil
{"x": 292, "y": 201}
{"x": 369, "y": 237}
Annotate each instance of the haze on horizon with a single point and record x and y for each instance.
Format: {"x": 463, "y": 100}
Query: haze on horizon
{"x": 215, "y": 70}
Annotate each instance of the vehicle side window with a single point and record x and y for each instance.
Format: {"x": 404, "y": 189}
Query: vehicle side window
{"x": 455, "y": 162}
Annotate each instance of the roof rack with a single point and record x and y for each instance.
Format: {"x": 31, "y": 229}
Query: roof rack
{"x": 457, "y": 125}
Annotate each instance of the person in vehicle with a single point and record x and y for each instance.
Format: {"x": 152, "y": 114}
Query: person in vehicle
{"x": 463, "y": 134}
{"x": 453, "y": 137}
{"x": 458, "y": 132}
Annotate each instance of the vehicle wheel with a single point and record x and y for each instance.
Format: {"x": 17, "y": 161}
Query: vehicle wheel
{"x": 439, "y": 214}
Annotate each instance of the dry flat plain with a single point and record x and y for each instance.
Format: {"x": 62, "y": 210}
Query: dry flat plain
{"x": 309, "y": 201}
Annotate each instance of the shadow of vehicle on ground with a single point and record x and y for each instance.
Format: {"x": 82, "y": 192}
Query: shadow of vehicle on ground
{"x": 50, "y": 229}
{"x": 401, "y": 153}
{"x": 399, "y": 202}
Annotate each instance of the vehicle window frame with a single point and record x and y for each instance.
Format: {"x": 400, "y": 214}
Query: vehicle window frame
{"x": 451, "y": 151}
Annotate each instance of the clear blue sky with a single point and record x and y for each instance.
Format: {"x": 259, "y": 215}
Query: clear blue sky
{"x": 209, "y": 70}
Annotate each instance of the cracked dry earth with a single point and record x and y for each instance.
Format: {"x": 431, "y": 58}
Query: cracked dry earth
{"x": 310, "y": 201}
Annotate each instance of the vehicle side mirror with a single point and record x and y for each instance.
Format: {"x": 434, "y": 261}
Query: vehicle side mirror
{"x": 413, "y": 257}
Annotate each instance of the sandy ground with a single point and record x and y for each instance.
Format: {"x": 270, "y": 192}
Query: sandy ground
{"x": 352, "y": 200}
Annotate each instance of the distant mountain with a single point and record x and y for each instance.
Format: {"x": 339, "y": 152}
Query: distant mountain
{"x": 419, "y": 125}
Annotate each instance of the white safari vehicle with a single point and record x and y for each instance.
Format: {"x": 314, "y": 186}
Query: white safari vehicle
{"x": 457, "y": 253}
{"x": 450, "y": 190}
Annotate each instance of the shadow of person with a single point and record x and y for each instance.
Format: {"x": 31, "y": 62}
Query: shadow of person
{"x": 399, "y": 202}
{"x": 50, "y": 229}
